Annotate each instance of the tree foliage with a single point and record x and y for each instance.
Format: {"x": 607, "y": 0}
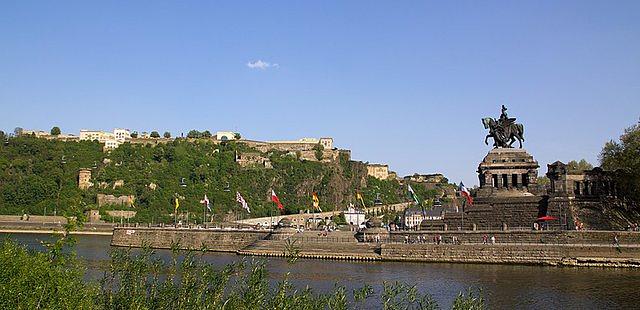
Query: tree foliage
{"x": 623, "y": 156}
{"x": 34, "y": 177}
{"x": 167, "y": 135}
{"x": 55, "y": 131}
{"x": 581, "y": 165}
{"x": 155, "y": 134}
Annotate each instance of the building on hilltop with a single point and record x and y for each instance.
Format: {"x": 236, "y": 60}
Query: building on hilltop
{"x": 111, "y": 140}
{"x": 225, "y": 135}
{"x": 378, "y": 171}
{"x": 433, "y": 178}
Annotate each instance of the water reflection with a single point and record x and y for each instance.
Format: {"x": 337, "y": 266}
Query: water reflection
{"x": 504, "y": 286}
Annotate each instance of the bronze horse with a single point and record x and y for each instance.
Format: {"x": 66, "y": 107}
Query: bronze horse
{"x": 503, "y": 136}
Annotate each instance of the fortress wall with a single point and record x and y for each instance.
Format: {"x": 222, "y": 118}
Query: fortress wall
{"x": 165, "y": 238}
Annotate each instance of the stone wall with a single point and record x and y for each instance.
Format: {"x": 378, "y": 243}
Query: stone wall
{"x": 549, "y": 237}
{"x": 494, "y": 212}
{"x": 111, "y": 200}
{"x": 573, "y": 255}
{"x": 165, "y": 238}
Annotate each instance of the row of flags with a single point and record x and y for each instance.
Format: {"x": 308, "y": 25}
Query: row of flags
{"x": 243, "y": 203}
{"x": 464, "y": 192}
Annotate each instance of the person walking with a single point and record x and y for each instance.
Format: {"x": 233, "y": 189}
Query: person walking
{"x": 493, "y": 239}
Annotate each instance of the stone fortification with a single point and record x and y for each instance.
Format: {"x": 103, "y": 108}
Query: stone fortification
{"x": 111, "y": 200}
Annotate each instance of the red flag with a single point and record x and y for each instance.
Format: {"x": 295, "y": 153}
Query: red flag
{"x": 465, "y": 193}
{"x": 275, "y": 199}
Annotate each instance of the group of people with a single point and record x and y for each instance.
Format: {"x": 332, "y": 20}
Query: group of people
{"x": 486, "y": 239}
{"x": 437, "y": 239}
{"x": 633, "y": 227}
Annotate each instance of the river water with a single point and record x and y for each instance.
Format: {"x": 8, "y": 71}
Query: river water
{"x": 503, "y": 286}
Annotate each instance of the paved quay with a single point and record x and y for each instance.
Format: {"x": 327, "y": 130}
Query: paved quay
{"x": 344, "y": 246}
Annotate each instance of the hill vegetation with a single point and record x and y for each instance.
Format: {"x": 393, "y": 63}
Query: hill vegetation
{"x": 39, "y": 175}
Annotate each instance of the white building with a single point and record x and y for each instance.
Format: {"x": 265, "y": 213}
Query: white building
{"x": 111, "y": 140}
{"x": 122, "y": 134}
{"x": 354, "y": 216}
{"x": 225, "y": 135}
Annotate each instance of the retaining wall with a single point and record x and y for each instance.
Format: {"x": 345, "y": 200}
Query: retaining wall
{"x": 551, "y": 237}
{"x": 165, "y": 238}
{"x": 534, "y": 254}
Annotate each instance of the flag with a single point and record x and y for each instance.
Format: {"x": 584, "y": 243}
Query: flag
{"x": 465, "y": 193}
{"x": 177, "y": 204}
{"x": 359, "y": 197}
{"x": 242, "y": 202}
{"x": 413, "y": 194}
{"x": 205, "y": 202}
{"x": 316, "y": 201}
{"x": 275, "y": 199}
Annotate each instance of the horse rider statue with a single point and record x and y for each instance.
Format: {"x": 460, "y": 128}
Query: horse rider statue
{"x": 504, "y": 131}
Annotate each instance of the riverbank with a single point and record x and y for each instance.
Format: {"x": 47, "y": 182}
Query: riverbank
{"x": 337, "y": 247}
{"x": 50, "y": 231}
{"x": 49, "y": 225}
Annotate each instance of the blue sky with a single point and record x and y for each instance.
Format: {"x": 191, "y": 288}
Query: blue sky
{"x": 398, "y": 82}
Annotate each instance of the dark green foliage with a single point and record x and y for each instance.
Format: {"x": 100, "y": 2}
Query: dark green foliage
{"x": 581, "y": 165}
{"x": 624, "y": 157}
{"x": 55, "y": 131}
{"x": 167, "y": 135}
{"x": 155, "y": 134}
{"x": 34, "y": 280}
{"x": 318, "y": 151}
{"x": 339, "y": 219}
{"x": 34, "y": 176}
{"x": 134, "y": 134}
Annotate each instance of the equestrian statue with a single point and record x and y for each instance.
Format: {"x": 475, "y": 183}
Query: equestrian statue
{"x": 504, "y": 131}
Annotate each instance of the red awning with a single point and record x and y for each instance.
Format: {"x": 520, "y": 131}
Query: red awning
{"x": 547, "y": 218}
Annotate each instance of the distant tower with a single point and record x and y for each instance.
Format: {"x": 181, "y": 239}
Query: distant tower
{"x": 84, "y": 178}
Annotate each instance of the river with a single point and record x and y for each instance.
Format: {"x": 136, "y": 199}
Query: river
{"x": 503, "y": 286}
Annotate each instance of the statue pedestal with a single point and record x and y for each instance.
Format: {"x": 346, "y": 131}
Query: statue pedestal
{"x": 508, "y": 172}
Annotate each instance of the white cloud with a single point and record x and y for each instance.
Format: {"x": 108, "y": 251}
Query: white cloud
{"x": 262, "y": 65}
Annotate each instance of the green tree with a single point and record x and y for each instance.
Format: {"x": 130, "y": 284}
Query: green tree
{"x": 194, "y": 134}
{"x": 18, "y": 131}
{"x": 237, "y": 136}
{"x": 581, "y": 165}
{"x": 155, "y": 134}
{"x": 318, "y": 151}
{"x": 623, "y": 156}
{"x": 206, "y": 134}
{"x": 134, "y": 134}
{"x": 55, "y": 131}
{"x": 167, "y": 135}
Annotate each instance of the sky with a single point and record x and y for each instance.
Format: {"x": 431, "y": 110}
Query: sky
{"x": 398, "y": 82}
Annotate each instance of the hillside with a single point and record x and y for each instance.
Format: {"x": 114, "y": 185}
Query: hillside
{"x": 38, "y": 175}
